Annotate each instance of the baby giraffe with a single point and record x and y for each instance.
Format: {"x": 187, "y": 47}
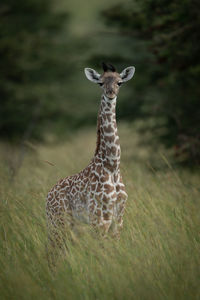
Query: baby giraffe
{"x": 97, "y": 193}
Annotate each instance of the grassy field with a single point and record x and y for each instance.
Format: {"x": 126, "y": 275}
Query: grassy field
{"x": 158, "y": 255}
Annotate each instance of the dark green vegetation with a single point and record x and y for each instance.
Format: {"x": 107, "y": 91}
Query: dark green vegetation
{"x": 33, "y": 56}
{"x": 44, "y": 46}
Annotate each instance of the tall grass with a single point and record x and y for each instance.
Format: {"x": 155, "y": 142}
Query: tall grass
{"x": 157, "y": 256}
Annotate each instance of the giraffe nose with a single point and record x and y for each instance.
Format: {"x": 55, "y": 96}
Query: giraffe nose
{"x": 110, "y": 92}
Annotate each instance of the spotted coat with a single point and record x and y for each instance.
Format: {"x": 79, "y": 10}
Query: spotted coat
{"x": 96, "y": 195}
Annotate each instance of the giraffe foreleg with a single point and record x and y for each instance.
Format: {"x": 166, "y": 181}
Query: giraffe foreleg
{"x": 107, "y": 221}
{"x": 119, "y": 212}
{"x": 105, "y": 215}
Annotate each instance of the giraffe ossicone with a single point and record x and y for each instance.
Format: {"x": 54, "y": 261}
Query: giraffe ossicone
{"x": 97, "y": 192}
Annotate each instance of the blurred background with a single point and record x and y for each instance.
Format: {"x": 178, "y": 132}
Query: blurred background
{"x": 45, "y": 45}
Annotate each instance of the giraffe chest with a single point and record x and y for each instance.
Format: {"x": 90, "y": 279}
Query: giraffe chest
{"x": 103, "y": 186}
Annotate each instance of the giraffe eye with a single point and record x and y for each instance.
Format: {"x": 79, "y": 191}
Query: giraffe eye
{"x": 119, "y": 83}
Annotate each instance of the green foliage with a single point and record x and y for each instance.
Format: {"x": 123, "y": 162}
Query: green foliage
{"x": 170, "y": 30}
{"x": 157, "y": 256}
{"x": 33, "y": 57}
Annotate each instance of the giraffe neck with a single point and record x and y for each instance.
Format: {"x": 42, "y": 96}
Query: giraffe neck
{"x": 108, "y": 147}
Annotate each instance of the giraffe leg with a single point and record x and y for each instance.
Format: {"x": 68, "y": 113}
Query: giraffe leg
{"x": 55, "y": 242}
{"x": 106, "y": 220}
{"x": 105, "y": 227}
{"x": 59, "y": 226}
{"x": 120, "y": 208}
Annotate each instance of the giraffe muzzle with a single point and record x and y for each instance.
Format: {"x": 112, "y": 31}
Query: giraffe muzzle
{"x": 110, "y": 96}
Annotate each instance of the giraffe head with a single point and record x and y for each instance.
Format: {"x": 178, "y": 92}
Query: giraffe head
{"x": 110, "y": 80}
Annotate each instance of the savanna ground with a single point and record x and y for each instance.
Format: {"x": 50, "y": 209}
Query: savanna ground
{"x": 158, "y": 254}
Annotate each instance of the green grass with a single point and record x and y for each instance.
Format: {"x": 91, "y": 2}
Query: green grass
{"x": 158, "y": 255}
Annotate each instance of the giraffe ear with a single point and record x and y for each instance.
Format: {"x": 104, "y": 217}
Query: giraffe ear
{"x": 127, "y": 74}
{"x": 92, "y": 75}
